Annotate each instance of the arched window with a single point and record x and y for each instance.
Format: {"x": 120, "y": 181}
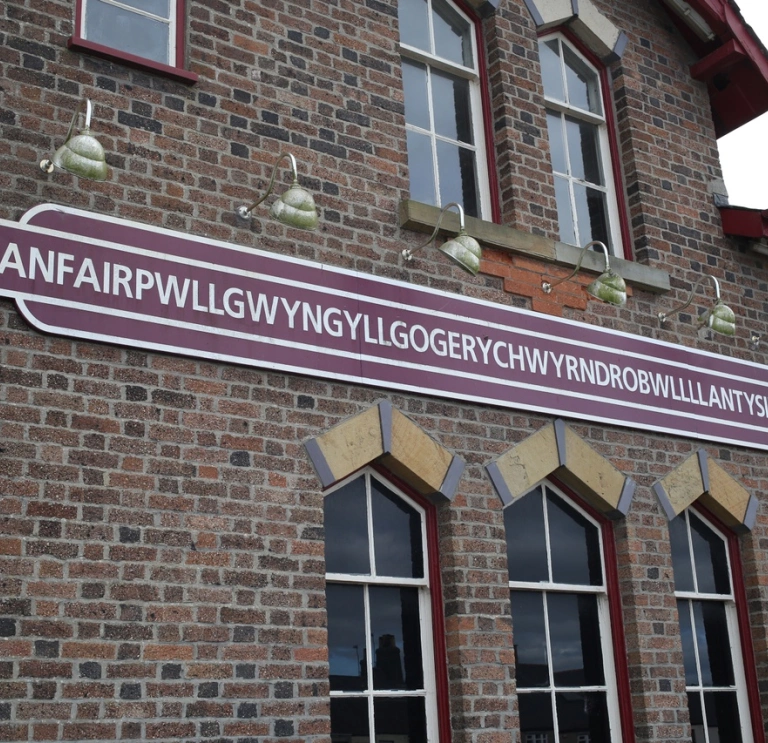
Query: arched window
{"x": 560, "y": 621}
{"x": 587, "y": 207}
{"x": 382, "y": 669}
{"x": 714, "y": 666}
{"x": 443, "y": 106}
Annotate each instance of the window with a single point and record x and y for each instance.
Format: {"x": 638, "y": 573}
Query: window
{"x": 714, "y": 672}
{"x": 443, "y": 107}
{"x": 147, "y": 33}
{"x": 578, "y": 139}
{"x": 560, "y": 621}
{"x": 382, "y": 672}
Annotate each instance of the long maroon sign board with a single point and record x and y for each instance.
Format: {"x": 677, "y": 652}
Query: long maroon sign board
{"x": 81, "y": 275}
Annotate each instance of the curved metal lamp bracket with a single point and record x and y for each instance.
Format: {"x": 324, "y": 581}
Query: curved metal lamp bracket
{"x": 244, "y": 211}
{"x": 665, "y": 315}
{"x": 547, "y": 286}
{"x": 408, "y": 252}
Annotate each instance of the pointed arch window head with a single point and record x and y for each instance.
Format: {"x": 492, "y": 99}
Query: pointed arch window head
{"x": 714, "y": 668}
{"x": 585, "y": 184}
{"x": 380, "y": 648}
{"x": 443, "y": 106}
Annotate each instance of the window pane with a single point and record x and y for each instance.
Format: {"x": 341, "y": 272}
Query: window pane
{"x": 536, "y": 718}
{"x": 402, "y": 720}
{"x": 157, "y": 7}
{"x": 713, "y": 643}
{"x": 583, "y": 713}
{"x": 709, "y": 558}
{"x": 591, "y": 214}
{"x": 574, "y": 631}
{"x": 697, "y": 719}
{"x": 349, "y": 719}
{"x": 681, "y": 554}
{"x": 414, "y": 23}
{"x": 583, "y": 84}
{"x": 450, "y": 99}
{"x": 396, "y": 636}
{"x": 528, "y": 629}
{"x": 722, "y": 711}
{"x": 526, "y": 541}
{"x": 574, "y": 543}
{"x": 551, "y": 70}
{"x": 127, "y": 31}
{"x": 397, "y": 535}
{"x": 346, "y": 637}
{"x": 421, "y": 169}
{"x": 557, "y": 142}
{"x": 564, "y": 213}
{"x": 346, "y": 530}
{"x": 689, "y": 650}
{"x": 416, "y": 101}
{"x": 583, "y": 151}
{"x": 458, "y": 179}
{"x": 452, "y": 39}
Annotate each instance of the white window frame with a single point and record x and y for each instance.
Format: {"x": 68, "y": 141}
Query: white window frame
{"x": 734, "y": 640}
{"x": 603, "y": 610}
{"x": 472, "y": 75}
{"x": 429, "y": 692}
{"x": 171, "y": 23}
{"x": 604, "y": 146}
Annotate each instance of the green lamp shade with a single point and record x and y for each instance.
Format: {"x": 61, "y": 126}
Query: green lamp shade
{"x": 83, "y": 156}
{"x": 296, "y": 208}
{"x": 609, "y": 287}
{"x": 721, "y": 318}
{"x": 464, "y": 251}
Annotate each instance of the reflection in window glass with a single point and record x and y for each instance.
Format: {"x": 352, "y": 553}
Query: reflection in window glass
{"x": 414, "y": 23}
{"x": 376, "y": 623}
{"x": 560, "y": 631}
{"x": 707, "y": 628}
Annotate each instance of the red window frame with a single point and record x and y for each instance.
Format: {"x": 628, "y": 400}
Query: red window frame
{"x": 176, "y": 71}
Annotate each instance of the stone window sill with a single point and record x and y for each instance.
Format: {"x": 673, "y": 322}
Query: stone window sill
{"x": 423, "y": 218}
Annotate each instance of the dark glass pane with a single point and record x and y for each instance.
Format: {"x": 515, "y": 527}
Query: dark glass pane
{"x": 415, "y": 87}
{"x": 403, "y": 720}
{"x": 709, "y": 558}
{"x": 127, "y": 31}
{"x": 574, "y": 633}
{"x": 713, "y": 643}
{"x": 583, "y": 151}
{"x": 583, "y": 84}
{"x": 346, "y": 637}
{"x": 583, "y": 713}
{"x": 346, "y": 530}
{"x": 681, "y": 554}
{"x": 397, "y": 543}
{"x": 349, "y": 720}
{"x": 452, "y": 39}
{"x": 414, "y": 23}
{"x": 592, "y": 214}
{"x": 556, "y": 142}
{"x": 551, "y": 70}
{"x": 575, "y": 545}
{"x": 157, "y": 7}
{"x": 697, "y": 718}
{"x": 536, "y": 716}
{"x": 450, "y": 100}
{"x": 458, "y": 179}
{"x": 526, "y": 539}
{"x": 722, "y": 710}
{"x": 689, "y": 649}
{"x": 396, "y": 637}
{"x": 564, "y": 211}
{"x": 421, "y": 169}
{"x": 529, "y": 632}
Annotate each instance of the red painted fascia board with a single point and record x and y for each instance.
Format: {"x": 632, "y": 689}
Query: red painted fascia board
{"x": 742, "y": 222}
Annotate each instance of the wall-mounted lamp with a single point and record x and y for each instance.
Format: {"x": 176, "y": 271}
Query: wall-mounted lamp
{"x": 607, "y": 287}
{"x": 81, "y": 155}
{"x": 719, "y": 317}
{"x": 463, "y": 249}
{"x": 295, "y": 208}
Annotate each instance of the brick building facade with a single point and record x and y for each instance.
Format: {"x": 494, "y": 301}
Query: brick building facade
{"x": 168, "y": 517}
